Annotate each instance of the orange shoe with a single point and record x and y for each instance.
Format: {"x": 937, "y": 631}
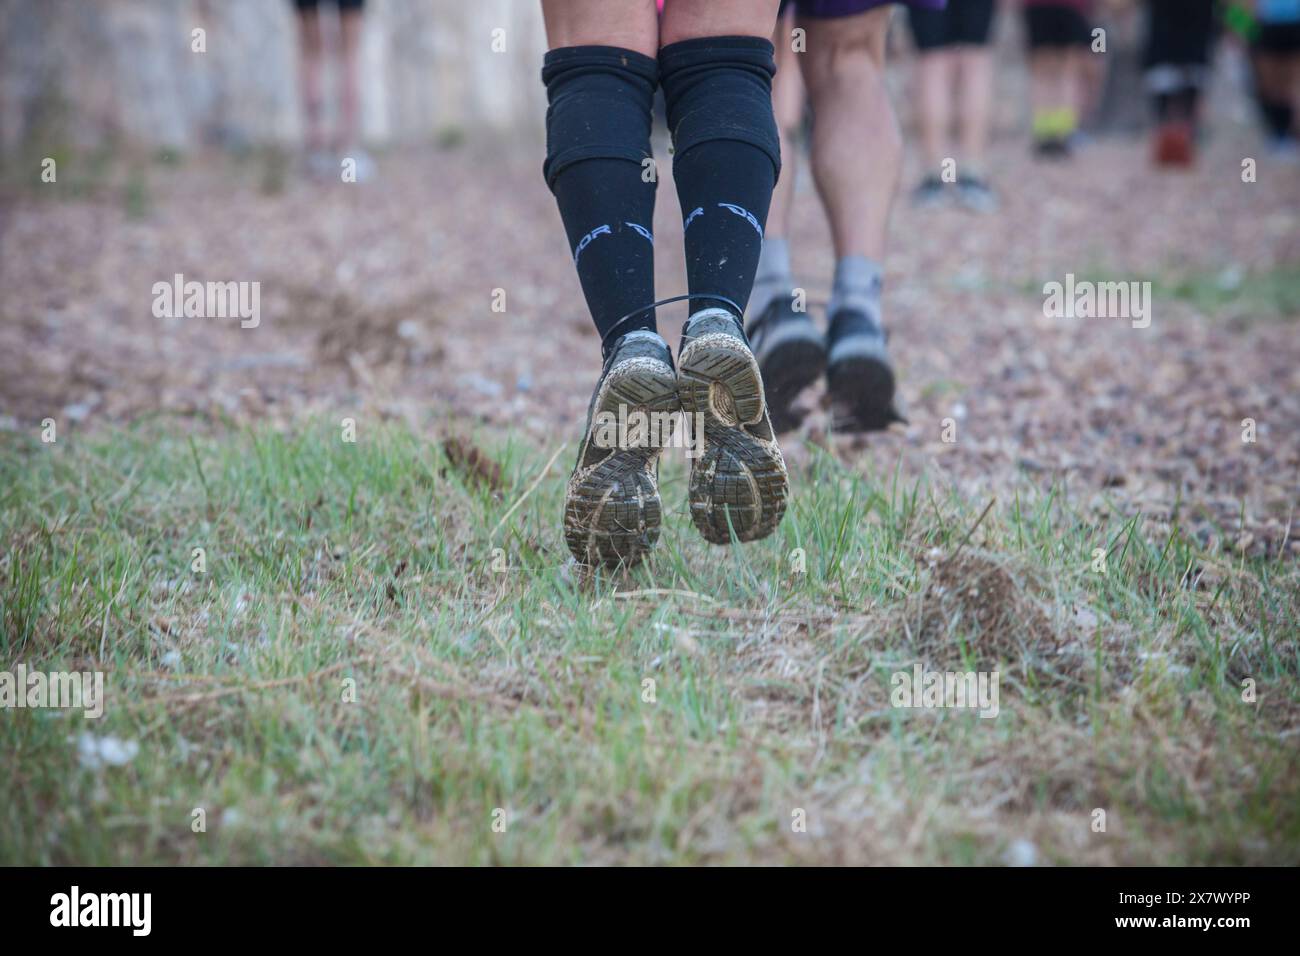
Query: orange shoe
{"x": 1175, "y": 144}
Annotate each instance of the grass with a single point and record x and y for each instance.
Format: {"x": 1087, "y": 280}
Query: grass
{"x": 1231, "y": 295}
{"x": 505, "y": 686}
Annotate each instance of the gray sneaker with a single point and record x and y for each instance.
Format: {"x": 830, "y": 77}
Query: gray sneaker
{"x": 859, "y": 374}
{"x": 791, "y": 355}
{"x": 929, "y": 193}
{"x": 612, "y": 513}
{"x": 738, "y": 483}
{"x": 975, "y": 194}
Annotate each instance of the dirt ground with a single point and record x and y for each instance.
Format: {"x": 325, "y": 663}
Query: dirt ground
{"x": 377, "y": 299}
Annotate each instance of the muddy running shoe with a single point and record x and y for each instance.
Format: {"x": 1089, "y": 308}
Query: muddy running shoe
{"x": 611, "y": 509}
{"x": 738, "y": 481}
{"x": 859, "y": 374}
{"x": 791, "y": 355}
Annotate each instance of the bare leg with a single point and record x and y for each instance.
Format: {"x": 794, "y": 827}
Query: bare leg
{"x": 309, "y": 75}
{"x": 787, "y": 103}
{"x": 630, "y": 24}
{"x": 1074, "y": 83}
{"x": 349, "y": 129}
{"x": 1055, "y": 94}
{"x": 1092, "y": 71}
{"x": 857, "y": 147}
{"x": 976, "y": 72}
{"x": 934, "y": 78}
{"x": 773, "y": 280}
{"x": 689, "y": 19}
{"x": 857, "y": 152}
{"x": 1044, "y": 80}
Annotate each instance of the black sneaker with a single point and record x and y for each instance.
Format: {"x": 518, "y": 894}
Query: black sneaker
{"x": 929, "y": 193}
{"x": 1053, "y": 147}
{"x": 975, "y": 194}
{"x": 738, "y": 482}
{"x": 611, "y": 509}
{"x": 859, "y": 374}
{"x": 791, "y": 355}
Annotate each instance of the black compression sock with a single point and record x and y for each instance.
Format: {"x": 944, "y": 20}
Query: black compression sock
{"x": 718, "y": 91}
{"x": 608, "y": 213}
{"x": 597, "y": 145}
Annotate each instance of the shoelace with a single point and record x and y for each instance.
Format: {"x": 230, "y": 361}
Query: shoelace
{"x": 610, "y": 336}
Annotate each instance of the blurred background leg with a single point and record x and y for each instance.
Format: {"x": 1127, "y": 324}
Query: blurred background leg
{"x": 857, "y": 147}
{"x": 350, "y": 24}
{"x": 975, "y": 86}
{"x": 310, "y": 74}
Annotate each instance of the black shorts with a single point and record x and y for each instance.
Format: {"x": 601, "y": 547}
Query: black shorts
{"x": 1179, "y": 33}
{"x": 1277, "y": 38}
{"x": 341, "y": 4}
{"x": 1049, "y": 25}
{"x": 961, "y": 23}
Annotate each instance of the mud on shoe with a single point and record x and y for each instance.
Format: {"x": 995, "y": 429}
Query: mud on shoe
{"x": 612, "y": 512}
{"x": 738, "y": 481}
{"x": 791, "y": 355}
{"x": 859, "y": 374}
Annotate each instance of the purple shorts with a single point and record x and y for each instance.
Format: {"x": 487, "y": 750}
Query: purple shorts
{"x": 828, "y": 9}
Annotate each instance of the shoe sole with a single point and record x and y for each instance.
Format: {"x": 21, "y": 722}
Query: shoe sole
{"x": 861, "y": 391}
{"x": 788, "y": 369}
{"x": 612, "y": 512}
{"x": 739, "y": 483}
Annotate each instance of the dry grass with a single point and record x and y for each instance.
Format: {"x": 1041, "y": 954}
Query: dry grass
{"x": 524, "y": 690}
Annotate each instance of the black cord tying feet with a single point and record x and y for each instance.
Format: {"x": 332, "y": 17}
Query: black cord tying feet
{"x": 611, "y": 337}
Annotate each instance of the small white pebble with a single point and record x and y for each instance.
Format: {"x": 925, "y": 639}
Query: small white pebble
{"x": 95, "y": 752}
{"x": 1021, "y": 852}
